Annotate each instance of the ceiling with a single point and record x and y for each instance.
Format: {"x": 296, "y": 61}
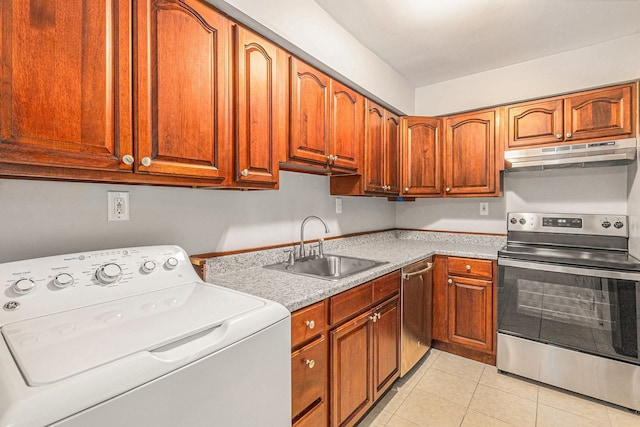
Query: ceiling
{"x": 429, "y": 41}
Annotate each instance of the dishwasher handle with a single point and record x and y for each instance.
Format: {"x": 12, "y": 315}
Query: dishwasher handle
{"x": 407, "y": 276}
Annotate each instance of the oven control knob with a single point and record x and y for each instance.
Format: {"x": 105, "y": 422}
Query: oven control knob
{"x": 171, "y": 263}
{"x": 108, "y": 273}
{"x": 62, "y": 280}
{"x": 23, "y": 286}
{"x": 606, "y": 224}
{"x": 618, "y": 224}
{"x": 523, "y": 221}
{"x": 513, "y": 220}
{"x": 148, "y": 267}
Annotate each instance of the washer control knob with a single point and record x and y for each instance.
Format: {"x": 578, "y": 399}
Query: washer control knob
{"x": 606, "y": 224}
{"x": 171, "y": 263}
{"x": 523, "y": 221}
{"x": 618, "y": 224}
{"x": 23, "y": 286}
{"x": 62, "y": 280}
{"x": 148, "y": 267}
{"x": 513, "y": 220}
{"x": 108, "y": 273}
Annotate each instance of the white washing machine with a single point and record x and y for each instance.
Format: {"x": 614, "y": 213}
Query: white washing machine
{"x": 133, "y": 337}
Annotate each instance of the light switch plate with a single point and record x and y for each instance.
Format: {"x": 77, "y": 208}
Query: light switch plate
{"x": 117, "y": 205}
{"x": 338, "y": 205}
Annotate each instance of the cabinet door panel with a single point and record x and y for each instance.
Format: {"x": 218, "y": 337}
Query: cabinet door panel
{"x": 374, "y": 148}
{"x": 470, "y": 154}
{"x": 601, "y": 113}
{"x": 309, "y": 138}
{"x": 471, "y": 313}
{"x": 347, "y": 126}
{"x": 386, "y": 346}
{"x": 256, "y": 108}
{"x": 66, "y": 83}
{"x": 536, "y": 123}
{"x": 392, "y": 152}
{"x": 308, "y": 375}
{"x": 183, "y": 90}
{"x": 421, "y": 169}
{"x": 351, "y": 391}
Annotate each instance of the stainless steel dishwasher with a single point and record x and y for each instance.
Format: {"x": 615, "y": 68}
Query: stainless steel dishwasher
{"x": 416, "y": 296}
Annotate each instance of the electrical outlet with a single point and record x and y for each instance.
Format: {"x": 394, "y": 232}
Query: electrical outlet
{"x": 338, "y": 205}
{"x": 484, "y": 208}
{"x": 118, "y": 205}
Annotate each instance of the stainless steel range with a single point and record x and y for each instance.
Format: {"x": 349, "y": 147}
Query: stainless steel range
{"x": 569, "y": 304}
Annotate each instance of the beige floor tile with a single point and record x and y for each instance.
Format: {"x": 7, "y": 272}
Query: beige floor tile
{"x": 491, "y": 377}
{"x": 376, "y": 418}
{"x": 397, "y": 421}
{"x": 569, "y": 402}
{"x": 447, "y": 386}
{"x": 504, "y": 406}
{"x": 549, "y": 416}
{"x": 477, "y": 419}
{"x": 392, "y": 400}
{"x": 459, "y": 366}
{"x": 623, "y": 417}
{"x": 427, "y": 409}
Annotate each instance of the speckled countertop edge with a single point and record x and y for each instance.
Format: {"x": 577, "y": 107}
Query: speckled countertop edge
{"x": 244, "y": 272}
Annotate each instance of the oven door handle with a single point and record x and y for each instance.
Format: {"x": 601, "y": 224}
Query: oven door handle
{"x": 581, "y": 271}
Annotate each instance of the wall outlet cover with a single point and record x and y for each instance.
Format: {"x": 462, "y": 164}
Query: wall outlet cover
{"x": 484, "y": 208}
{"x": 117, "y": 205}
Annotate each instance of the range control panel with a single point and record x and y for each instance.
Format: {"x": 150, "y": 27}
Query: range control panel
{"x": 600, "y": 225}
{"x": 42, "y": 286}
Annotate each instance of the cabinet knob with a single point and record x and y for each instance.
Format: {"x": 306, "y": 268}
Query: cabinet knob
{"x": 310, "y": 324}
{"x": 244, "y": 172}
{"x": 146, "y": 161}
{"x": 468, "y": 267}
{"x": 569, "y": 134}
{"x": 378, "y": 315}
{"x": 406, "y": 189}
{"x": 127, "y": 159}
{"x": 335, "y": 158}
{"x": 373, "y": 318}
{"x": 447, "y": 189}
{"x": 559, "y": 135}
{"x": 450, "y": 281}
{"x": 310, "y": 363}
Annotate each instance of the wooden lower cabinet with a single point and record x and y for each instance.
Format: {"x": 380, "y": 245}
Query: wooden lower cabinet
{"x": 470, "y": 312}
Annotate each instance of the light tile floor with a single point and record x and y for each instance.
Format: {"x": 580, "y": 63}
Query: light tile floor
{"x": 448, "y": 390}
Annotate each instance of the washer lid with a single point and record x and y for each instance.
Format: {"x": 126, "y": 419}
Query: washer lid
{"x": 51, "y": 348}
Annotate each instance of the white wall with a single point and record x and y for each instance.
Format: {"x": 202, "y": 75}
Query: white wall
{"x": 592, "y": 190}
{"x": 305, "y": 24}
{"x": 41, "y": 218}
{"x": 634, "y": 208}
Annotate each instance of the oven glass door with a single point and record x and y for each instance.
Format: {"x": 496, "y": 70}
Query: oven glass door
{"x": 588, "y": 310}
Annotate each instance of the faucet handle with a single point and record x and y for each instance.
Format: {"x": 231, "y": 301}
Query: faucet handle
{"x": 321, "y": 248}
{"x": 291, "y": 258}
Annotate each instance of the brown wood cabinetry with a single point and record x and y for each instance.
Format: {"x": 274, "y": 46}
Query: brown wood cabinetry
{"x": 471, "y": 150}
{"x": 421, "y": 157}
{"x": 326, "y": 121}
{"x": 464, "y": 307}
{"x": 260, "y": 73}
{"x": 591, "y": 115}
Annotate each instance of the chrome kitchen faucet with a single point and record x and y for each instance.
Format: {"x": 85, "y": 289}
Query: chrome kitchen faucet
{"x": 320, "y": 242}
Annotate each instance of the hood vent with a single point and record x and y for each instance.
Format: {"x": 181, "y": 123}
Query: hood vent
{"x": 604, "y": 153}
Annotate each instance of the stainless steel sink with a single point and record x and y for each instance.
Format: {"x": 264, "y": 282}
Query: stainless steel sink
{"x": 330, "y": 267}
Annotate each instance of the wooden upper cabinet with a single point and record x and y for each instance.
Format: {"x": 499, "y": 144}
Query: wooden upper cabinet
{"x": 535, "y": 123}
{"x": 470, "y": 154}
{"x": 603, "y": 113}
{"x": 66, "y": 83}
{"x": 374, "y": 149}
{"x": 258, "y": 69}
{"x": 421, "y": 157}
{"x": 392, "y": 156}
{"x": 309, "y": 120}
{"x": 183, "y": 90}
{"x": 592, "y": 115}
{"x": 347, "y": 126}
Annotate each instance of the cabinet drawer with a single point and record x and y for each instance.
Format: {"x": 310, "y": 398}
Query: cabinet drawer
{"x": 470, "y": 267}
{"x": 308, "y": 375}
{"x": 385, "y": 286}
{"x": 317, "y": 417}
{"x": 307, "y": 323}
{"x": 351, "y": 302}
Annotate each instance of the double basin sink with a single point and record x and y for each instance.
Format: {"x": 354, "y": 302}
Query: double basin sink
{"x": 328, "y": 267}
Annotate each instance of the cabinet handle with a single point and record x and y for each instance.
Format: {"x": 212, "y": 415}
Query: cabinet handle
{"x": 373, "y": 318}
{"x": 406, "y": 276}
{"x": 146, "y": 161}
{"x": 450, "y": 281}
{"x": 447, "y": 189}
{"x": 468, "y": 267}
{"x": 310, "y": 324}
{"x": 569, "y": 134}
{"x": 244, "y": 172}
{"x": 127, "y": 159}
{"x": 559, "y": 135}
{"x": 310, "y": 363}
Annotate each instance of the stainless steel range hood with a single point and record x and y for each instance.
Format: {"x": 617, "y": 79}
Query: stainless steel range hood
{"x": 603, "y": 153}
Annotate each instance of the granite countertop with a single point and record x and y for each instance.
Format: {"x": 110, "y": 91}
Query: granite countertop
{"x": 245, "y": 272}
